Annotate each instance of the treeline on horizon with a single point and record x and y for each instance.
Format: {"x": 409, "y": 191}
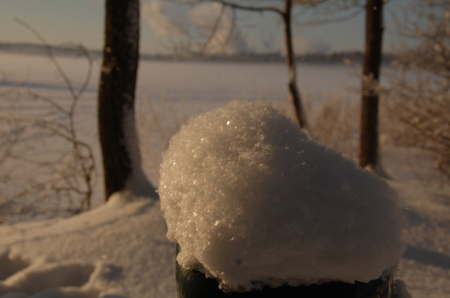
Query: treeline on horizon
{"x": 343, "y": 57}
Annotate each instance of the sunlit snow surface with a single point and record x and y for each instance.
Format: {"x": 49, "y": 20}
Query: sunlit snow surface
{"x": 117, "y": 250}
{"x": 251, "y": 199}
{"x": 127, "y": 242}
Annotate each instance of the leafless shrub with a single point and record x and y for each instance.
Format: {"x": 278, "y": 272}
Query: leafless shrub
{"x": 419, "y": 96}
{"x": 41, "y": 155}
{"x": 334, "y": 123}
{"x": 157, "y": 121}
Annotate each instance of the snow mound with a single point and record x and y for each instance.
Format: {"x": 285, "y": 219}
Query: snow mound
{"x": 252, "y": 200}
{"x": 116, "y": 250}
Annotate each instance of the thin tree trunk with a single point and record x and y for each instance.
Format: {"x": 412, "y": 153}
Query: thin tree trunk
{"x": 290, "y": 60}
{"x": 116, "y": 92}
{"x": 370, "y": 94}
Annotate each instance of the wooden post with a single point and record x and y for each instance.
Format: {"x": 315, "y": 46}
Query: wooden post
{"x": 194, "y": 284}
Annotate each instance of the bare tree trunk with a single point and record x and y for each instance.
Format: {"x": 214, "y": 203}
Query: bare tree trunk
{"x": 117, "y": 93}
{"x": 294, "y": 94}
{"x": 370, "y": 91}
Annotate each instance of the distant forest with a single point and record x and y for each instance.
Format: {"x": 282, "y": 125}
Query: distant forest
{"x": 347, "y": 57}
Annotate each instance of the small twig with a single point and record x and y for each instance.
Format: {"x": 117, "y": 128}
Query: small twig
{"x": 50, "y": 55}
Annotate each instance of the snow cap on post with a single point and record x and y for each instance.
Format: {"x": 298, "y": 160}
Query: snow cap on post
{"x": 253, "y": 201}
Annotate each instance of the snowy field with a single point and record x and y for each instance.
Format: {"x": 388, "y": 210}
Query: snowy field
{"x": 120, "y": 249}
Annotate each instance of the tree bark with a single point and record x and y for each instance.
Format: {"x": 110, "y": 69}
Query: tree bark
{"x": 370, "y": 92}
{"x": 294, "y": 94}
{"x": 117, "y": 92}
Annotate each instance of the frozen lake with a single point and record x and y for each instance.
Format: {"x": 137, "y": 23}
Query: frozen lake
{"x": 193, "y": 81}
{"x": 168, "y": 93}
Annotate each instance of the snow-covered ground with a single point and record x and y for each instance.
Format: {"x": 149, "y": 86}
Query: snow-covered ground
{"x": 119, "y": 249}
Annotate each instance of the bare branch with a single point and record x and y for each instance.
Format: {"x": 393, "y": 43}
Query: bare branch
{"x": 213, "y": 31}
{"x": 420, "y": 94}
{"x": 50, "y": 55}
{"x": 68, "y": 173}
{"x": 250, "y": 7}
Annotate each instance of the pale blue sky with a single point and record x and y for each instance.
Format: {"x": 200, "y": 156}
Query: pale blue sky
{"x": 81, "y": 21}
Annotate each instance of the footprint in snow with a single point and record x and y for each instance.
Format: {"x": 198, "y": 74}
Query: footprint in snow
{"x": 42, "y": 278}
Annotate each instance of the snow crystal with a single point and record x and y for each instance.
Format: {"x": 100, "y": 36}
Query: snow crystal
{"x": 251, "y": 200}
